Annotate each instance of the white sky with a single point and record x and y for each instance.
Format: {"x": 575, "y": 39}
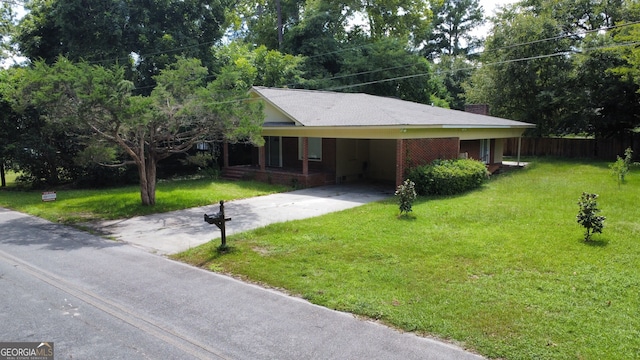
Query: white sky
{"x": 490, "y": 5}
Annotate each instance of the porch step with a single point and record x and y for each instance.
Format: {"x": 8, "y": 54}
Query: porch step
{"x": 233, "y": 173}
{"x": 494, "y": 168}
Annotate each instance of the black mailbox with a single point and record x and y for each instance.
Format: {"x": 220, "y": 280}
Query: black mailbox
{"x": 219, "y": 220}
{"x": 213, "y": 218}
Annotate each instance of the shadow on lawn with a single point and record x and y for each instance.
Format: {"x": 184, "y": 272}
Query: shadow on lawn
{"x": 595, "y": 243}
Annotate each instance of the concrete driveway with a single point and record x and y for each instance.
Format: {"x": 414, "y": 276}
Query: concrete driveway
{"x": 176, "y": 231}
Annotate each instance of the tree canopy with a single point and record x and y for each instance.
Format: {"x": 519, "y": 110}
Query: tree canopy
{"x": 143, "y": 35}
{"x": 98, "y": 104}
{"x": 552, "y": 63}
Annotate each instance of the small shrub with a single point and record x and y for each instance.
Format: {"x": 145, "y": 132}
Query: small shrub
{"x": 588, "y": 215}
{"x": 448, "y": 177}
{"x": 620, "y": 168}
{"x": 406, "y": 194}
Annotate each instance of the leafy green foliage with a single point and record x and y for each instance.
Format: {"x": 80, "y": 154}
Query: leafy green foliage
{"x": 527, "y": 76}
{"x": 620, "y": 168}
{"x": 406, "y": 194}
{"x": 98, "y": 102}
{"x": 448, "y": 177}
{"x": 110, "y": 31}
{"x": 453, "y": 22}
{"x": 387, "y": 67}
{"x": 588, "y": 215}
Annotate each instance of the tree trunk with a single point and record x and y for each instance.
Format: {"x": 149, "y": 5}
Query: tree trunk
{"x": 152, "y": 161}
{"x": 147, "y": 173}
{"x": 3, "y": 179}
{"x": 142, "y": 175}
{"x": 279, "y": 25}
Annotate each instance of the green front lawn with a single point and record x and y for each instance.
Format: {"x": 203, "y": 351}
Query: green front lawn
{"x": 74, "y": 206}
{"x": 503, "y": 271}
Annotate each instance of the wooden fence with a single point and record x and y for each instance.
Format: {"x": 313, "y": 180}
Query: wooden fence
{"x": 603, "y": 149}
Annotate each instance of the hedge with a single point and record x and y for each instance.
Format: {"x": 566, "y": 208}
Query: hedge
{"x": 448, "y": 177}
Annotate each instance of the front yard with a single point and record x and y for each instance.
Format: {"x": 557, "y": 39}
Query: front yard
{"x": 503, "y": 271}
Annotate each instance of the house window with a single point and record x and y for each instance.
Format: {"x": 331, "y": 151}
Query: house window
{"x": 315, "y": 149}
{"x": 485, "y": 146}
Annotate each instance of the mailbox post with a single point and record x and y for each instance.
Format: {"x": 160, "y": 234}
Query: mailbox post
{"x": 219, "y": 220}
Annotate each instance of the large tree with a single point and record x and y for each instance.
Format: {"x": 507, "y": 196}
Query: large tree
{"x": 406, "y": 19}
{"x": 530, "y": 78}
{"x": 181, "y": 110}
{"x": 453, "y": 23}
{"x": 553, "y": 63}
{"x": 7, "y": 22}
{"x": 145, "y": 35}
{"x": 387, "y": 67}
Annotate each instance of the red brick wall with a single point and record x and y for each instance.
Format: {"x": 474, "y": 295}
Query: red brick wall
{"x": 414, "y": 152}
{"x": 482, "y": 109}
{"x": 424, "y": 151}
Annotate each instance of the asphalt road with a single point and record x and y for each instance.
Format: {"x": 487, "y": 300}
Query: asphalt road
{"x": 100, "y": 299}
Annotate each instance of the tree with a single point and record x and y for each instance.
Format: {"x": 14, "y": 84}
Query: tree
{"x": 179, "y": 112}
{"x": 529, "y": 79}
{"x": 387, "y": 68}
{"x": 267, "y": 21}
{"x": 454, "y": 72}
{"x": 40, "y": 151}
{"x": 7, "y": 27}
{"x": 259, "y": 66}
{"x": 141, "y": 34}
{"x": 554, "y": 63}
{"x": 453, "y": 22}
{"x": 406, "y": 19}
{"x": 606, "y": 103}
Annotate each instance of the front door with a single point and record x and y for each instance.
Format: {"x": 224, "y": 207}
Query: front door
{"x": 273, "y": 147}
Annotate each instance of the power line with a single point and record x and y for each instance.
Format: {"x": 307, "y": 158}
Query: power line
{"x": 562, "y": 36}
{"x": 561, "y": 53}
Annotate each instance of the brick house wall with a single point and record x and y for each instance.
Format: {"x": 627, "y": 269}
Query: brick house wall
{"x": 415, "y": 152}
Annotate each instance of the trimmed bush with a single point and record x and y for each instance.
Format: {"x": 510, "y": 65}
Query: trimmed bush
{"x": 448, "y": 177}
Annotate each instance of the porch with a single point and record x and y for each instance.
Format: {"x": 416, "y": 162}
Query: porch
{"x": 276, "y": 175}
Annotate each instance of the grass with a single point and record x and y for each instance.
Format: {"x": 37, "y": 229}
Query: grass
{"x": 503, "y": 270}
{"x": 10, "y": 178}
{"x": 74, "y": 206}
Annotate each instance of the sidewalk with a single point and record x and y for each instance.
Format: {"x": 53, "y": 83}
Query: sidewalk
{"x": 177, "y": 231}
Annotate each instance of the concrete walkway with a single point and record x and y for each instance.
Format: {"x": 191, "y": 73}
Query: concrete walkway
{"x": 176, "y": 231}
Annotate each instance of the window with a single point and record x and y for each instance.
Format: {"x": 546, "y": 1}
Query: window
{"x": 315, "y": 149}
{"x": 485, "y": 146}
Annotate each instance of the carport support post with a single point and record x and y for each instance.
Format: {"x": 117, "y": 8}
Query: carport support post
{"x": 519, "y": 148}
{"x": 263, "y": 158}
{"x": 399, "y": 161}
{"x": 305, "y": 156}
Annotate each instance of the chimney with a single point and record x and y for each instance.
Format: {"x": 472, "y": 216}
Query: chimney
{"x": 482, "y": 109}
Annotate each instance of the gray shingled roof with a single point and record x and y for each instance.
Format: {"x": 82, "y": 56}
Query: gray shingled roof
{"x": 326, "y": 108}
